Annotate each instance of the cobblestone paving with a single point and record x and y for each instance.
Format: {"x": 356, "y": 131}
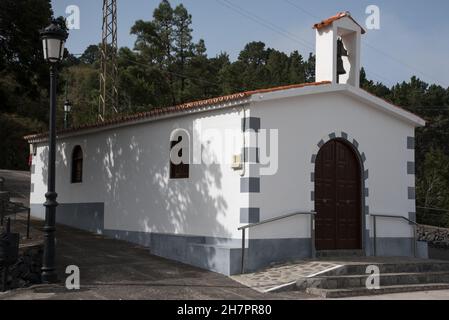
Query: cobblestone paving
{"x": 277, "y": 276}
{"x": 282, "y": 275}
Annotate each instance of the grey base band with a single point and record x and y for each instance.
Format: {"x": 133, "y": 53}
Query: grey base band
{"x": 399, "y": 247}
{"x": 222, "y": 255}
{"x": 84, "y": 216}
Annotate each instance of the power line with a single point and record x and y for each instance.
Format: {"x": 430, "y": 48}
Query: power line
{"x": 410, "y": 67}
{"x": 273, "y": 27}
{"x": 380, "y": 77}
{"x": 280, "y": 30}
{"x": 173, "y": 73}
{"x": 302, "y": 9}
{"x": 366, "y": 43}
{"x": 265, "y": 23}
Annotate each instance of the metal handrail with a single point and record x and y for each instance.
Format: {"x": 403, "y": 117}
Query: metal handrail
{"x": 285, "y": 216}
{"x": 275, "y": 219}
{"x": 8, "y": 208}
{"x": 375, "y": 216}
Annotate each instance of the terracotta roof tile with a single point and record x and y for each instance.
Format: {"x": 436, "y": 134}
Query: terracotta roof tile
{"x": 183, "y": 108}
{"x": 336, "y": 17}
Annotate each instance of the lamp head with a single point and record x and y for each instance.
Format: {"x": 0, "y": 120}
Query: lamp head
{"x": 53, "y": 41}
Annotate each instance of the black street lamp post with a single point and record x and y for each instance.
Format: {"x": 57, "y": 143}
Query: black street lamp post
{"x": 53, "y": 40}
{"x": 67, "y": 110}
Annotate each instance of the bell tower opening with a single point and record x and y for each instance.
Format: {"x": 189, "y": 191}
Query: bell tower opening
{"x": 338, "y": 46}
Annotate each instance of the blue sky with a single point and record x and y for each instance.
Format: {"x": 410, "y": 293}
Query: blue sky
{"x": 412, "y": 38}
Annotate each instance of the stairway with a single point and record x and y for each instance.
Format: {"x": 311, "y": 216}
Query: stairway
{"x": 339, "y": 253}
{"x": 396, "y": 276}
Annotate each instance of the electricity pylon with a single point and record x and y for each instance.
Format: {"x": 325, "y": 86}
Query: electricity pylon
{"x": 108, "y": 101}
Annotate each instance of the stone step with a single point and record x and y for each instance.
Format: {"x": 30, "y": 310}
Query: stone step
{"x": 339, "y": 253}
{"x": 353, "y": 292}
{"x": 359, "y": 281}
{"x": 359, "y": 269}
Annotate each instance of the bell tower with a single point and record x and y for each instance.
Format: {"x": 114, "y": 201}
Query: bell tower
{"x": 338, "y": 46}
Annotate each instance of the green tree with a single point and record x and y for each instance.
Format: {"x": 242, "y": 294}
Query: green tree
{"x": 433, "y": 186}
{"x": 23, "y": 77}
{"x": 296, "y": 68}
{"x": 183, "y": 46}
{"x": 91, "y": 55}
{"x": 278, "y": 68}
{"x": 378, "y": 89}
{"x": 21, "y": 58}
{"x": 14, "y": 148}
{"x": 310, "y": 68}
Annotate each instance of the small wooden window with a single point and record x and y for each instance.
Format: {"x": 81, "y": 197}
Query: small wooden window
{"x": 178, "y": 171}
{"x": 77, "y": 165}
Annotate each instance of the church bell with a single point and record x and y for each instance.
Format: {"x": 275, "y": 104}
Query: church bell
{"x": 341, "y": 52}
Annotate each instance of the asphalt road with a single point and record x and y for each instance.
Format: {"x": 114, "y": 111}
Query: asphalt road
{"x": 18, "y": 184}
{"x": 113, "y": 269}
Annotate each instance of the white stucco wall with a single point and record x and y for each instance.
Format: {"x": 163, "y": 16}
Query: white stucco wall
{"x": 128, "y": 169}
{"x": 304, "y": 121}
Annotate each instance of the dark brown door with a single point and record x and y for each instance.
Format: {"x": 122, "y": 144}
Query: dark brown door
{"x": 337, "y": 198}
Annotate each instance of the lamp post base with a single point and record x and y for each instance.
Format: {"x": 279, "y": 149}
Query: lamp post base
{"x": 48, "y": 267}
{"x": 49, "y": 277}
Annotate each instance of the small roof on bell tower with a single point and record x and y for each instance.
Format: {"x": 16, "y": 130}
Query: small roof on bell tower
{"x": 338, "y": 16}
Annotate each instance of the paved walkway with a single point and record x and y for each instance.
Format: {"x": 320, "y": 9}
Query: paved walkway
{"x": 284, "y": 275}
{"x": 281, "y": 276}
{"x": 113, "y": 269}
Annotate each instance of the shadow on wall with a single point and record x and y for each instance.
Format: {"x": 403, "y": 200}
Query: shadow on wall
{"x": 131, "y": 176}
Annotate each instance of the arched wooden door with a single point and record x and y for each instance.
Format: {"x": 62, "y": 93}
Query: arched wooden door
{"x": 337, "y": 198}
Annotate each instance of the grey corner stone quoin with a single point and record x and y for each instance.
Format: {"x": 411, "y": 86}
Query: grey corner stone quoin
{"x": 410, "y": 143}
{"x": 250, "y": 185}
{"x": 250, "y": 123}
{"x": 412, "y": 216}
{"x": 410, "y": 168}
{"x": 411, "y": 193}
{"x": 249, "y": 215}
{"x": 251, "y": 154}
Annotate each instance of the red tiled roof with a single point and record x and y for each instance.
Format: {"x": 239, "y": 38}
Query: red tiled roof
{"x": 336, "y": 17}
{"x": 182, "y": 108}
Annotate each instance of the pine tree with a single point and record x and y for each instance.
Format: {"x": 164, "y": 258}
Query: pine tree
{"x": 183, "y": 46}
